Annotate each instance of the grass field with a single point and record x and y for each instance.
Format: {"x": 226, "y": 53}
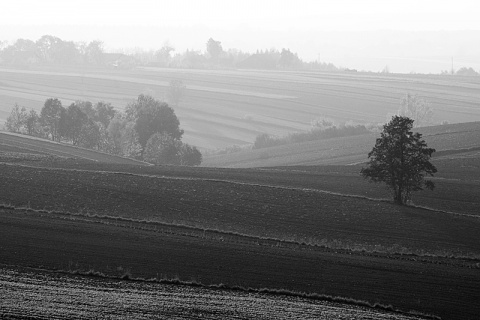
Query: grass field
{"x": 321, "y": 230}
{"x": 226, "y": 107}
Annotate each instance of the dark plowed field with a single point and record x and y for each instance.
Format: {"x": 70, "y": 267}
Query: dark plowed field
{"x": 283, "y": 212}
{"x": 319, "y": 230}
{"x": 32, "y": 240}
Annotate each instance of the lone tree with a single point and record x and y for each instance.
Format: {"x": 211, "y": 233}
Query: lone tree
{"x": 400, "y": 158}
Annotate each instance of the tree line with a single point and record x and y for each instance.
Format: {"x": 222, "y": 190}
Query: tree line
{"x": 53, "y": 50}
{"x": 148, "y": 130}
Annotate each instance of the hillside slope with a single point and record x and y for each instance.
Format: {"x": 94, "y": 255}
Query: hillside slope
{"x": 449, "y": 141}
{"x": 325, "y": 227}
{"x": 226, "y": 107}
{"x": 30, "y": 145}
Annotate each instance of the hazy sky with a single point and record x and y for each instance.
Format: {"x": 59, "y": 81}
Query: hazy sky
{"x": 341, "y": 31}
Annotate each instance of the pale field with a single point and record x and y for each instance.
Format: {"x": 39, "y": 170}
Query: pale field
{"x": 226, "y": 107}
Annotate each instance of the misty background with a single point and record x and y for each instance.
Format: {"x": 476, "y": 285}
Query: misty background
{"x": 406, "y": 36}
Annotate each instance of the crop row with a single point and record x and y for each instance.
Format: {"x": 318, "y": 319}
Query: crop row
{"x": 238, "y": 96}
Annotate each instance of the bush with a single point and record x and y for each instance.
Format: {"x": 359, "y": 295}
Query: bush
{"x": 162, "y": 149}
{"x": 190, "y": 156}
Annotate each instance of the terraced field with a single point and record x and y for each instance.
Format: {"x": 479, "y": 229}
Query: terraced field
{"x": 226, "y": 107}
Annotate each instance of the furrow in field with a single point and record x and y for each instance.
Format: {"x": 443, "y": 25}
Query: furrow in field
{"x": 406, "y": 284}
{"x": 278, "y": 211}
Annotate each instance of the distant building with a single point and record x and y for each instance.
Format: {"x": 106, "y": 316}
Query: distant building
{"x": 120, "y": 61}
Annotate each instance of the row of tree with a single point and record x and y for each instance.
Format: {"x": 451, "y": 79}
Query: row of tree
{"x": 52, "y": 50}
{"x": 322, "y": 128}
{"x": 215, "y": 56}
{"x": 148, "y": 129}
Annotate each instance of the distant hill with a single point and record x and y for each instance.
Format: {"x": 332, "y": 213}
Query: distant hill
{"x": 452, "y": 140}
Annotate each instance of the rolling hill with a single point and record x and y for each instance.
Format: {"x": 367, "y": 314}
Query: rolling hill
{"x": 455, "y": 140}
{"x": 319, "y": 230}
{"x": 226, "y": 107}
{"x": 293, "y": 221}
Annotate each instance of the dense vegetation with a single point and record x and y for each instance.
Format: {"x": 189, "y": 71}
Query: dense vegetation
{"x": 148, "y": 129}
{"x": 322, "y": 129}
{"x": 49, "y": 50}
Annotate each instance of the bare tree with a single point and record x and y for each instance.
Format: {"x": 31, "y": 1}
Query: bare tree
{"x": 17, "y": 119}
{"x": 417, "y": 109}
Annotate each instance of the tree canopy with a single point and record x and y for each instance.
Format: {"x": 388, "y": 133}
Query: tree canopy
{"x": 162, "y": 149}
{"x": 214, "y": 48}
{"x": 148, "y": 129}
{"x": 51, "y": 115}
{"x": 401, "y": 160}
{"x": 153, "y": 116}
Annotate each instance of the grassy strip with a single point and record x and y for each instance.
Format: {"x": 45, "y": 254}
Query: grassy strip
{"x": 216, "y": 234}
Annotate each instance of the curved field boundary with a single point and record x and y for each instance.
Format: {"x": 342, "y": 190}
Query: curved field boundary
{"x": 63, "y": 150}
{"x": 103, "y": 248}
{"x": 218, "y": 296}
{"x": 272, "y": 186}
{"x": 237, "y": 237}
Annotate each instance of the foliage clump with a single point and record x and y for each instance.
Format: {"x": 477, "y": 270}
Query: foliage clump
{"x": 401, "y": 160}
{"x": 322, "y": 128}
{"x": 148, "y": 130}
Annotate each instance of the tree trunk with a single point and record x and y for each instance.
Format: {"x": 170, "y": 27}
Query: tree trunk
{"x": 398, "y": 199}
